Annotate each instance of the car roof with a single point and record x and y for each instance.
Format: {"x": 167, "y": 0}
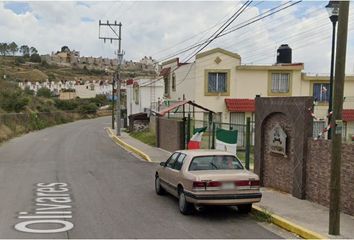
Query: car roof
{"x": 205, "y": 152}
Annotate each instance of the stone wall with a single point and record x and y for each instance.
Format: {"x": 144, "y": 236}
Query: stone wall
{"x": 318, "y": 174}
{"x": 278, "y": 170}
{"x": 293, "y": 115}
{"x": 170, "y": 134}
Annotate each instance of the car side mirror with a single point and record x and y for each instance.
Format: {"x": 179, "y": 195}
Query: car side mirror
{"x": 163, "y": 164}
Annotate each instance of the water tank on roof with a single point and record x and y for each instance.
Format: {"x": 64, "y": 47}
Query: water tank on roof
{"x": 284, "y": 54}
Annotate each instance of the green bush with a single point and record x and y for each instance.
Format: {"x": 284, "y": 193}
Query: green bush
{"x": 51, "y": 77}
{"x": 19, "y": 60}
{"x": 88, "y": 108}
{"x": 13, "y": 101}
{"x": 35, "y": 58}
{"x": 100, "y": 100}
{"x": 28, "y": 91}
{"x": 44, "y": 92}
{"x": 36, "y": 123}
{"x": 66, "y": 105}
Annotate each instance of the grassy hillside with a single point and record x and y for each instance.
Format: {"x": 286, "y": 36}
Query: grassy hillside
{"x": 21, "y": 112}
{"x": 17, "y": 69}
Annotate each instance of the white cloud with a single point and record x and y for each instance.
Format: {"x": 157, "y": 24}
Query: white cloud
{"x": 149, "y": 27}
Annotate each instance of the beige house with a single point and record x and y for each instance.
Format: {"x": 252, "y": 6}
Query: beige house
{"x": 218, "y": 80}
{"x": 317, "y": 86}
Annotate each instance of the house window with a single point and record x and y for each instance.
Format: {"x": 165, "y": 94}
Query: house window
{"x": 136, "y": 93}
{"x": 166, "y": 83}
{"x": 280, "y": 82}
{"x": 217, "y": 82}
{"x": 321, "y": 92}
{"x": 174, "y": 82}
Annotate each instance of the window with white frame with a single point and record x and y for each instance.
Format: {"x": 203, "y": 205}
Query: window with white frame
{"x": 321, "y": 92}
{"x": 217, "y": 82}
{"x": 280, "y": 82}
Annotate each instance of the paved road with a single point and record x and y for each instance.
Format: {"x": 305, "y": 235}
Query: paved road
{"x": 111, "y": 191}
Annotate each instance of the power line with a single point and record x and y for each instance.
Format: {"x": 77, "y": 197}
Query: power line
{"x": 273, "y": 30}
{"x": 260, "y": 17}
{"x": 221, "y": 29}
{"x": 199, "y": 33}
{"x": 216, "y": 34}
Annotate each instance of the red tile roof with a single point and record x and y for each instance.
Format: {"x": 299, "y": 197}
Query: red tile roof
{"x": 348, "y": 115}
{"x": 240, "y": 105}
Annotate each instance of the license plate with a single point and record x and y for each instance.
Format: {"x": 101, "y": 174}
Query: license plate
{"x": 228, "y": 186}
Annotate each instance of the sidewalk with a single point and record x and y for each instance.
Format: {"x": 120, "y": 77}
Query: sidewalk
{"x": 155, "y": 154}
{"x": 306, "y": 214}
{"x": 305, "y": 218}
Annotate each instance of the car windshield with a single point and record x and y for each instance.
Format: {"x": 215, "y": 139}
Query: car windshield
{"x": 215, "y": 162}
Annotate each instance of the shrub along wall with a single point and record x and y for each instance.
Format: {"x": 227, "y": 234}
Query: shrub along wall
{"x": 318, "y": 174}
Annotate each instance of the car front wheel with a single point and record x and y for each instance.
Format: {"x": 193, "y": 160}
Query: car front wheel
{"x": 184, "y": 206}
{"x": 159, "y": 190}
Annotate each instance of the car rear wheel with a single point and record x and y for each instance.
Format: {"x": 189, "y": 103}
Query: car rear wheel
{"x": 245, "y": 208}
{"x": 159, "y": 190}
{"x": 184, "y": 206}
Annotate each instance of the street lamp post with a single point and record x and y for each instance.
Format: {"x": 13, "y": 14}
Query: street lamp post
{"x": 333, "y": 12}
{"x": 118, "y": 120}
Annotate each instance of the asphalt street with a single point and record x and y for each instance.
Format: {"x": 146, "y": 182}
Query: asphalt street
{"x": 111, "y": 192}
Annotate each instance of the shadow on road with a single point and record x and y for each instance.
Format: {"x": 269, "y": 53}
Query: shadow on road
{"x": 210, "y": 213}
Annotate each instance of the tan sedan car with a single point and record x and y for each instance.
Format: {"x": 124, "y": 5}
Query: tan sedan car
{"x": 207, "y": 177}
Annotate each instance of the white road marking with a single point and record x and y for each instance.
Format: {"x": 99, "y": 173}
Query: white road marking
{"x": 24, "y": 226}
{"x": 50, "y": 196}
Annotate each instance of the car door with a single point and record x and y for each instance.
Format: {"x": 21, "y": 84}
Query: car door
{"x": 166, "y": 172}
{"x": 174, "y": 172}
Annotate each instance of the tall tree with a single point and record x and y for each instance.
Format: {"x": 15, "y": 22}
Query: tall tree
{"x": 33, "y": 50}
{"x": 4, "y": 48}
{"x": 13, "y": 48}
{"x": 25, "y": 50}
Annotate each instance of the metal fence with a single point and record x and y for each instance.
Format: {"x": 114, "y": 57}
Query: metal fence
{"x": 207, "y": 138}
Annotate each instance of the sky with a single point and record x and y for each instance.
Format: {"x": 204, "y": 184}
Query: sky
{"x": 162, "y": 28}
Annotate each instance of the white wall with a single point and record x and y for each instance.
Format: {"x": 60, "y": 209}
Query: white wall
{"x": 185, "y": 82}
{"x": 145, "y": 90}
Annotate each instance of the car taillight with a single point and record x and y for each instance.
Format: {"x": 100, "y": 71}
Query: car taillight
{"x": 245, "y": 183}
{"x": 198, "y": 184}
{"x": 214, "y": 184}
{"x": 255, "y": 183}
{"x": 242, "y": 183}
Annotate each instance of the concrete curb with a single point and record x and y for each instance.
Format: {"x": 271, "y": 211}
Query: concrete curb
{"x": 289, "y": 226}
{"x": 126, "y": 146}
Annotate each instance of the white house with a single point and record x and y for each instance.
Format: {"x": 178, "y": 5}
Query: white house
{"x": 143, "y": 94}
